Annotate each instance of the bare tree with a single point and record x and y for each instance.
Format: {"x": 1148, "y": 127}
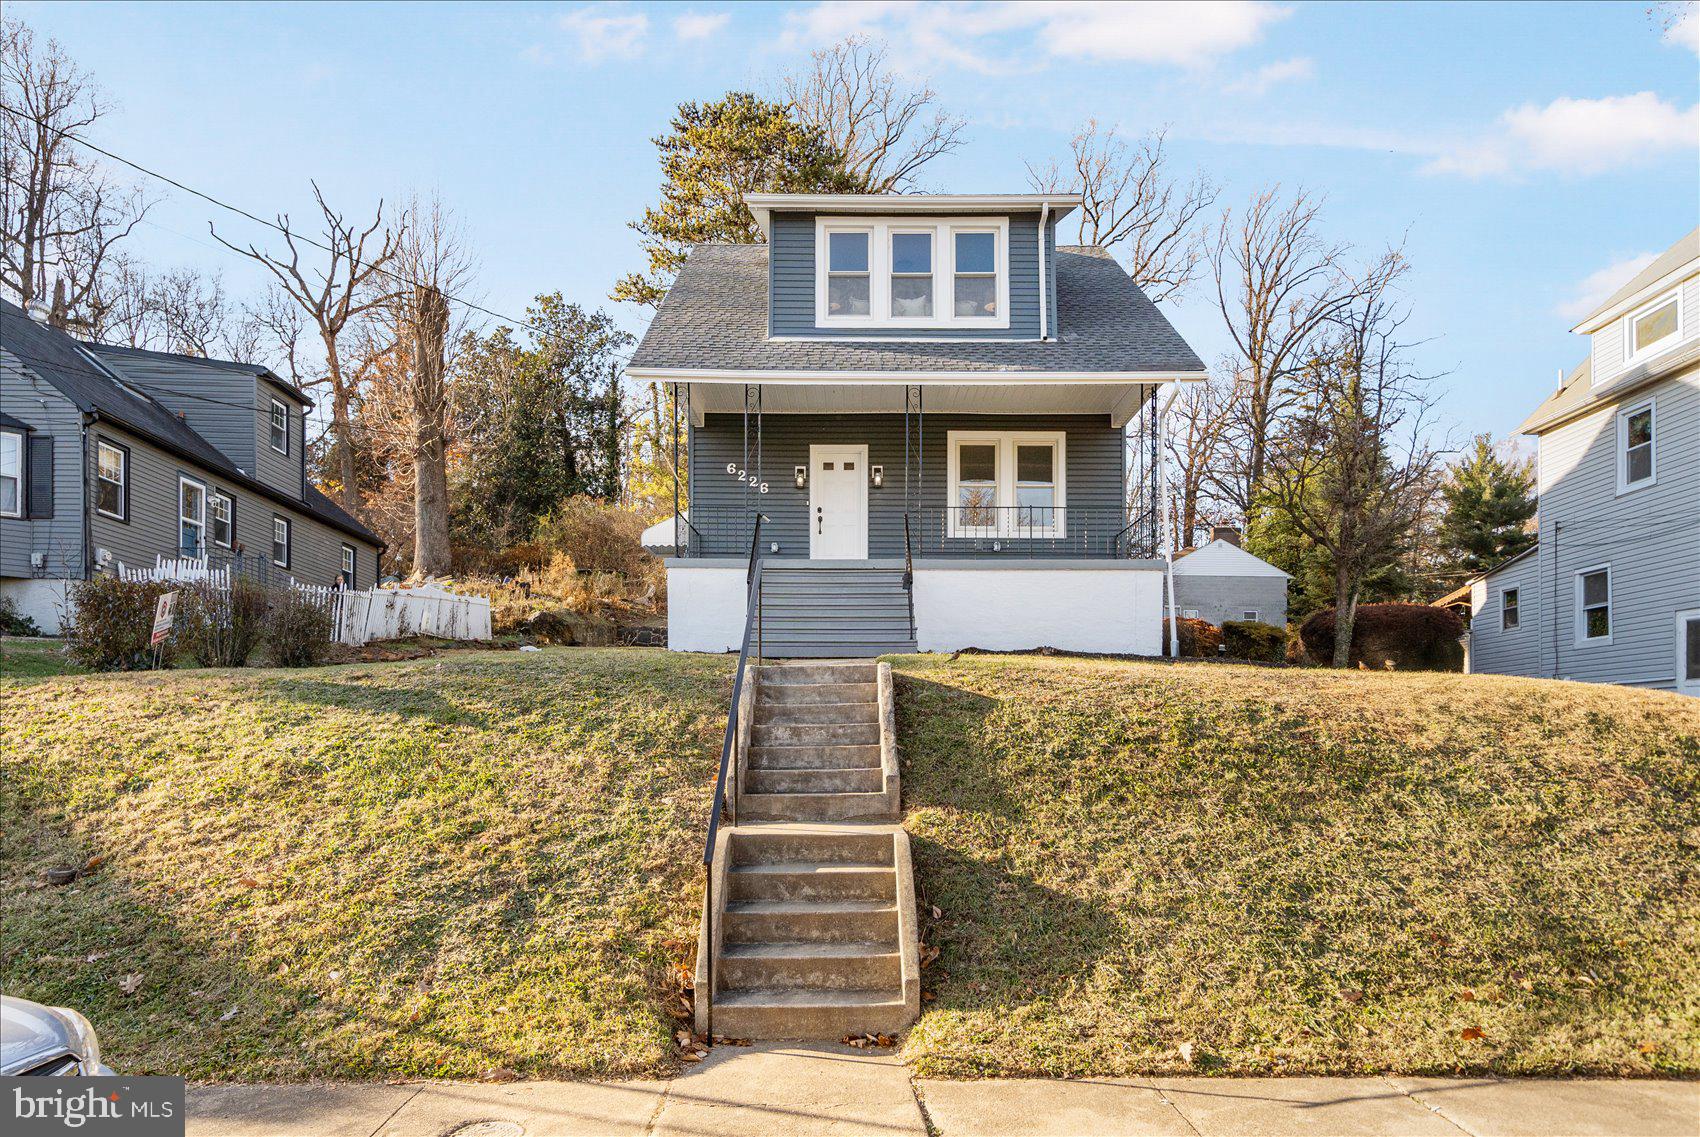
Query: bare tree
{"x": 1199, "y": 454}
{"x": 123, "y": 307}
{"x": 1129, "y": 200}
{"x": 433, "y": 261}
{"x": 885, "y": 130}
{"x": 1279, "y": 284}
{"x": 1353, "y": 472}
{"x": 60, "y": 215}
{"x": 352, "y": 284}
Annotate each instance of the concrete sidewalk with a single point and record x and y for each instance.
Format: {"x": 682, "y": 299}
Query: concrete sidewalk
{"x": 799, "y": 1090}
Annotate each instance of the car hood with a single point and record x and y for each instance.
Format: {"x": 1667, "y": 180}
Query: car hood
{"x": 30, "y": 1034}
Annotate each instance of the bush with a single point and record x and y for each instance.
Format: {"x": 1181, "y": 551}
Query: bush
{"x": 1199, "y": 639}
{"x": 1255, "y": 640}
{"x": 596, "y": 536}
{"x": 112, "y": 624}
{"x": 298, "y": 628}
{"x": 1403, "y": 637}
{"x": 15, "y": 623}
{"x": 221, "y": 626}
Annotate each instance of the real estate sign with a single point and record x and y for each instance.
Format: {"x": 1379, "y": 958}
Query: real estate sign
{"x": 162, "y": 614}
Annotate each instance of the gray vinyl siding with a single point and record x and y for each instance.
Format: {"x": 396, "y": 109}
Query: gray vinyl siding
{"x": 215, "y": 403}
{"x": 1494, "y": 649}
{"x": 60, "y": 537}
{"x": 1219, "y": 599}
{"x": 1648, "y": 537}
{"x": 151, "y": 531}
{"x": 1094, "y": 470}
{"x": 281, "y": 471}
{"x": 1610, "y": 345}
{"x": 791, "y": 285}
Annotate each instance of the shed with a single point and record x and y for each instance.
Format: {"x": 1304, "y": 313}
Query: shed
{"x": 1220, "y": 581}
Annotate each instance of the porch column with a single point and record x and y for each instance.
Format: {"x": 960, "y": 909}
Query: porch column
{"x": 677, "y": 528}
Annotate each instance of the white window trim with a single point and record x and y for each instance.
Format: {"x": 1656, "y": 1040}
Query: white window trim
{"x": 1624, "y": 485}
{"x": 271, "y": 420}
{"x": 1582, "y": 639}
{"x": 1004, "y": 500}
{"x": 1517, "y": 592}
{"x": 184, "y": 481}
{"x": 220, "y": 495}
{"x": 350, "y": 566}
{"x": 932, "y": 234}
{"x": 288, "y": 541}
{"x": 879, "y": 230}
{"x": 1631, "y": 357}
{"x": 1684, "y": 685}
{"x": 22, "y": 473}
{"x": 1251, "y": 616}
{"x": 123, "y": 482}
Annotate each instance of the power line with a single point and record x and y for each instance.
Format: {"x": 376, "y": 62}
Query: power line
{"x": 240, "y": 212}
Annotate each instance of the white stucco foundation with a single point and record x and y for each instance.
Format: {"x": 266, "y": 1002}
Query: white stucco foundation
{"x": 43, "y": 601}
{"x": 705, "y": 606}
{"x": 1010, "y": 608}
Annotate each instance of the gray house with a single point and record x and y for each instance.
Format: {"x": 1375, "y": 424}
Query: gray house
{"x": 1611, "y": 591}
{"x": 113, "y": 456}
{"x": 943, "y": 418}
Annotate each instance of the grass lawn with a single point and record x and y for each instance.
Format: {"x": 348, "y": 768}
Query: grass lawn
{"x": 33, "y": 658}
{"x": 435, "y": 867}
{"x": 1300, "y": 871}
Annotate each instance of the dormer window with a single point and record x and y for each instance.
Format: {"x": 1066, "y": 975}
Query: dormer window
{"x": 912, "y": 272}
{"x": 1653, "y": 328}
{"x": 280, "y": 427}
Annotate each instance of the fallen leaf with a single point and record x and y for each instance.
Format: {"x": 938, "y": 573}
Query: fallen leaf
{"x": 499, "y": 1074}
{"x": 131, "y": 983}
{"x": 690, "y": 1056}
{"x": 94, "y": 862}
{"x": 1471, "y": 1033}
{"x": 683, "y": 1037}
{"x": 1352, "y": 996}
{"x": 1467, "y": 995}
{"x": 1648, "y": 1048}
{"x": 928, "y": 954}
{"x": 1185, "y": 1050}
{"x": 937, "y": 915}
{"x": 927, "y": 996}
{"x": 1527, "y": 985}
{"x": 248, "y": 882}
{"x": 885, "y": 1040}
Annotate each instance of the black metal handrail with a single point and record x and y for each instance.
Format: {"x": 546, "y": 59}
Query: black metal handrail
{"x": 909, "y": 574}
{"x": 752, "y": 635}
{"x": 1032, "y": 531}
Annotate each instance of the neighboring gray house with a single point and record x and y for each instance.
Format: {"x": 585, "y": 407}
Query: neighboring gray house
{"x": 1220, "y": 581}
{"x": 114, "y": 456}
{"x": 915, "y": 382}
{"x": 1611, "y": 593}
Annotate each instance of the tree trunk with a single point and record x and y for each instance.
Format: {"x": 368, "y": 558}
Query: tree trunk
{"x": 431, "y": 556}
{"x": 1345, "y": 618}
{"x": 342, "y": 431}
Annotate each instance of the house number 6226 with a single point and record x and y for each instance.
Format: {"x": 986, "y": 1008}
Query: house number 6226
{"x": 732, "y": 468}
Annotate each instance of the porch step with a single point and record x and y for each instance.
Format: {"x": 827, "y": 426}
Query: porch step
{"x": 811, "y": 880}
{"x": 821, "y": 649}
{"x": 816, "y": 780}
{"x": 863, "y": 806}
{"x": 787, "y": 733}
{"x": 773, "y": 691}
{"x": 809, "y": 921}
{"x": 809, "y": 1012}
{"x": 767, "y": 712}
{"x": 829, "y": 966}
{"x": 826, "y": 673}
{"x": 840, "y": 756}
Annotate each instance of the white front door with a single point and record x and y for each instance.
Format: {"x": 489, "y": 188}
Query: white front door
{"x": 1688, "y": 651}
{"x": 838, "y": 503}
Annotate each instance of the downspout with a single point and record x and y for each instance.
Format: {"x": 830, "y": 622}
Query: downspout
{"x": 84, "y": 499}
{"x": 1161, "y": 474}
{"x": 1044, "y": 292}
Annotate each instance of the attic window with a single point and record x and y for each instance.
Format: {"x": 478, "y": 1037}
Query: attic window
{"x": 280, "y": 427}
{"x": 912, "y": 272}
{"x": 1651, "y": 329}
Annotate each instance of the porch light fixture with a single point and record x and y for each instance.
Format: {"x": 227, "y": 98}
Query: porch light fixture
{"x": 800, "y": 476}
{"x": 876, "y": 474}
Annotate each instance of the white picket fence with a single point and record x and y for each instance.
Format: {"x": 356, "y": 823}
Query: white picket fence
{"x": 359, "y": 617}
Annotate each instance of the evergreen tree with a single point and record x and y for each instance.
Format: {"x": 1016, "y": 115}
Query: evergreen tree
{"x": 715, "y": 154}
{"x": 1489, "y": 502}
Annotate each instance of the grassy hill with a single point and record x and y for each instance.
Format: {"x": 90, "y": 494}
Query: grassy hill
{"x": 443, "y": 866}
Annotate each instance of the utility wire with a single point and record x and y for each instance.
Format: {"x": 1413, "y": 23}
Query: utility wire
{"x": 240, "y": 212}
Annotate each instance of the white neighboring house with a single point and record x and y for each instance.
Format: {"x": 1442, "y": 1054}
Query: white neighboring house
{"x": 1611, "y": 593}
{"x": 1220, "y": 581}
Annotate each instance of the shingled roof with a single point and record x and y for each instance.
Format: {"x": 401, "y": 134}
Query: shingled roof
{"x": 715, "y": 318}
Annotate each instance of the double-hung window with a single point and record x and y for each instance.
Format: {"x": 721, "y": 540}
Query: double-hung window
{"x": 975, "y": 264}
{"x": 1508, "y": 613}
{"x": 348, "y": 566}
{"x": 1006, "y": 484}
{"x": 112, "y": 480}
{"x": 1652, "y": 328}
{"x": 222, "y": 511}
{"x": 11, "y": 473}
{"x": 280, "y": 427}
{"x": 1593, "y": 606}
{"x": 191, "y": 517}
{"x": 911, "y": 274}
{"x": 1636, "y": 428}
{"x": 280, "y": 541}
{"x": 849, "y": 280}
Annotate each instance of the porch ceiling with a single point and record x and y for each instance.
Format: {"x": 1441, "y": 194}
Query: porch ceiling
{"x": 1119, "y": 401}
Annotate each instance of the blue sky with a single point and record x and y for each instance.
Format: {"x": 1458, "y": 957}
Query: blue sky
{"x": 1527, "y": 155}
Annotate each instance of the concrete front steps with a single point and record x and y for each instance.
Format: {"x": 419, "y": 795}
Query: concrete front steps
{"x": 816, "y": 923}
{"x": 813, "y": 931}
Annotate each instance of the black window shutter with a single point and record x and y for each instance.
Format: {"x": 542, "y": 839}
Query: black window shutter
{"x": 41, "y": 476}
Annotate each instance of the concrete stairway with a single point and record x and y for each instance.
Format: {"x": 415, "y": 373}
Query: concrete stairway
{"x": 814, "y": 932}
{"x": 815, "y": 611}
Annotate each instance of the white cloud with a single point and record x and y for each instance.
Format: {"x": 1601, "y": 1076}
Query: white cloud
{"x": 1579, "y": 136}
{"x": 1270, "y": 74}
{"x": 1591, "y": 291}
{"x": 1175, "y": 32}
{"x": 603, "y": 33}
{"x": 700, "y": 25}
{"x": 1685, "y": 31}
